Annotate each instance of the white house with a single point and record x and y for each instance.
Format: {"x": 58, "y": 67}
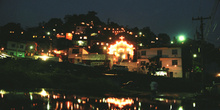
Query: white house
{"x": 16, "y": 48}
{"x": 170, "y": 57}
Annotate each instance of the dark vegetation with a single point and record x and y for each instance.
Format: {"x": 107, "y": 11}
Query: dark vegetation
{"x": 31, "y": 74}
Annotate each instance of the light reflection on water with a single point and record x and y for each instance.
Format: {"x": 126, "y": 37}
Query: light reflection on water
{"x": 56, "y": 101}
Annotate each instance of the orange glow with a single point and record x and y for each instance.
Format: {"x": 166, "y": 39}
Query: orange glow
{"x": 68, "y": 104}
{"x": 218, "y": 75}
{"x": 121, "y": 50}
{"x": 2, "y": 48}
{"x": 69, "y": 36}
{"x": 120, "y": 102}
{"x": 60, "y": 36}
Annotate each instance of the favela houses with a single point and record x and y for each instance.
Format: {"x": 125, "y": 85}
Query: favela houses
{"x": 83, "y": 62}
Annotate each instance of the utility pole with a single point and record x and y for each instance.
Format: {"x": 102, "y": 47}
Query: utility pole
{"x": 202, "y": 47}
{"x": 201, "y": 25}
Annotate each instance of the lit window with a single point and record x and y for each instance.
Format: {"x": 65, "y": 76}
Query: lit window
{"x": 141, "y": 44}
{"x": 136, "y": 35}
{"x": 157, "y": 38}
{"x": 85, "y": 37}
{"x": 152, "y": 42}
{"x": 54, "y": 30}
{"x": 34, "y": 36}
{"x": 22, "y": 32}
{"x": 97, "y": 43}
{"x": 43, "y": 36}
{"x": 80, "y": 37}
{"x": 12, "y": 32}
{"x": 91, "y": 27}
{"x": 104, "y": 28}
{"x": 102, "y": 43}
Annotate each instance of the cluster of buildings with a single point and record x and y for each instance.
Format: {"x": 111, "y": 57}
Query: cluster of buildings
{"x": 120, "y": 53}
{"x": 116, "y": 51}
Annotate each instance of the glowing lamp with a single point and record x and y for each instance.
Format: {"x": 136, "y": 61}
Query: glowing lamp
{"x": 194, "y": 55}
{"x": 43, "y": 93}
{"x": 181, "y": 38}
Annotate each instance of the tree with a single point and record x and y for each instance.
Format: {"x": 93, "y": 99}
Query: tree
{"x": 11, "y": 31}
{"x": 163, "y": 39}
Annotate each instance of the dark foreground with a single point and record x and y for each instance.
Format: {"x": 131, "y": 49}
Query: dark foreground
{"x": 72, "y": 86}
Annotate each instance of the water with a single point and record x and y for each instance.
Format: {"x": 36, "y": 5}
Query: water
{"x": 44, "y": 100}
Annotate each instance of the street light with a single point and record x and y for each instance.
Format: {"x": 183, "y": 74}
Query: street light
{"x": 140, "y": 33}
{"x": 171, "y": 42}
{"x": 31, "y": 47}
{"x": 48, "y": 33}
{"x": 181, "y": 38}
{"x": 194, "y": 55}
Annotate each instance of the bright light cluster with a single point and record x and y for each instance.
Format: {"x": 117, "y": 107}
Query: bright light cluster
{"x": 120, "y": 102}
{"x": 121, "y": 49}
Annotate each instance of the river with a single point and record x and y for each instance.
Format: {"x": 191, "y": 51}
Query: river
{"x": 51, "y": 100}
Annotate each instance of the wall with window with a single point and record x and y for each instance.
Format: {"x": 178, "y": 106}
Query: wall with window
{"x": 174, "y": 65}
{"x": 169, "y": 57}
{"x": 162, "y": 52}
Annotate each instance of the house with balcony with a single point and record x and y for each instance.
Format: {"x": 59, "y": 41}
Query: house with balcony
{"x": 170, "y": 59}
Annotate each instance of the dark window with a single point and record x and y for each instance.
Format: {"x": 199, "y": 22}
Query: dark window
{"x": 11, "y": 53}
{"x": 143, "y": 53}
{"x": 174, "y": 52}
{"x": 159, "y": 53}
{"x": 174, "y": 62}
{"x": 21, "y": 46}
{"x": 12, "y": 45}
{"x": 75, "y": 51}
{"x": 143, "y": 62}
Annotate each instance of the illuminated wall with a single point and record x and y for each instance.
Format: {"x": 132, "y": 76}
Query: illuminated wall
{"x": 121, "y": 50}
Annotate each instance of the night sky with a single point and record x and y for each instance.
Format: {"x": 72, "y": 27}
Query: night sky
{"x": 173, "y": 17}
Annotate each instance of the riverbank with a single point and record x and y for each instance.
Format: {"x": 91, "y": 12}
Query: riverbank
{"x": 30, "y": 74}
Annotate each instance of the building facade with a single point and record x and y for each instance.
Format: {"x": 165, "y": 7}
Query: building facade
{"x": 16, "y": 49}
{"x": 169, "y": 58}
{"x": 81, "y": 56}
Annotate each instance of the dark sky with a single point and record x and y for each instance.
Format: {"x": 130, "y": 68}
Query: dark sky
{"x": 173, "y": 17}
